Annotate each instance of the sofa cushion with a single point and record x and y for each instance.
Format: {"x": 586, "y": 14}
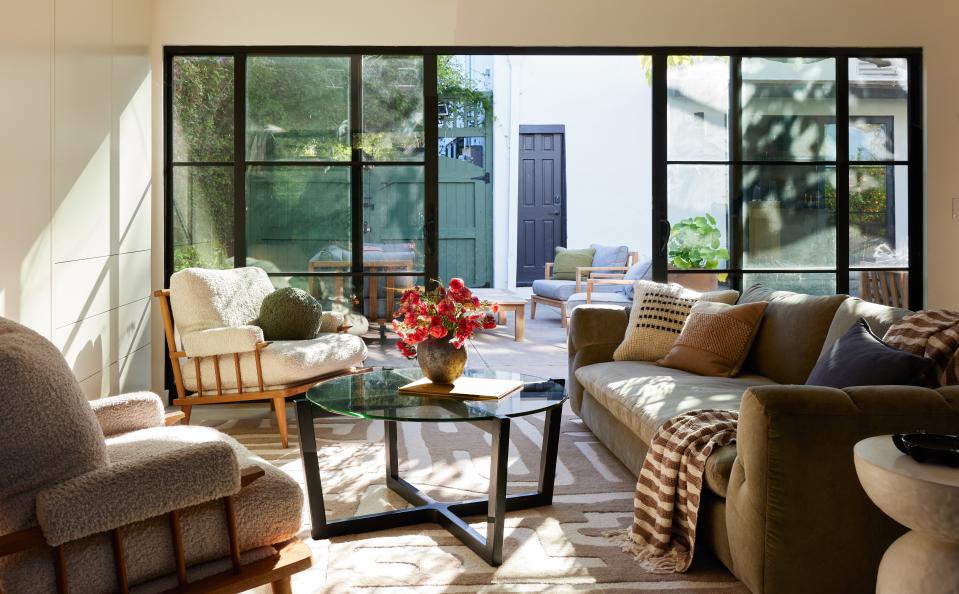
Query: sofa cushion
{"x": 559, "y": 290}
{"x": 644, "y": 395}
{"x": 792, "y": 333}
{"x": 567, "y": 261}
{"x": 719, "y": 465}
{"x": 879, "y": 317}
{"x": 642, "y": 270}
{"x": 290, "y": 314}
{"x": 715, "y": 339}
{"x": 284, "y": 363}
{"x": 610, "y": 255}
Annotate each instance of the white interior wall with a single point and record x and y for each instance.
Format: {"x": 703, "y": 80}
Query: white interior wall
{"x": 75, "y": 175}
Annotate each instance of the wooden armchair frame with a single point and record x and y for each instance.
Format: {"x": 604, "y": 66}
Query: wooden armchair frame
{"x": 186, "y": 401}
{"x": 292, "y": 557}
{"x": 587, "y": 272}
{"x": 886, "y": 287}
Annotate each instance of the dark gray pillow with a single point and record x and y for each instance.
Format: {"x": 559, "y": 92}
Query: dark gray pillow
{"x": 860, "y": 358}
{"x": 289, "y": 314}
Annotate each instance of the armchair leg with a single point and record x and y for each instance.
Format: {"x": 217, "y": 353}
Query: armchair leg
{"x": 185, "y": 409}
{"x": 532, "y": 309}
{"x": 562, "y": 314}
{"x": 283, "y": 586}
{"x": 279, "y": 408}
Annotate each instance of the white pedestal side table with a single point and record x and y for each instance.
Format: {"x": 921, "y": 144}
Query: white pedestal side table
{"x": 923, "y": 497}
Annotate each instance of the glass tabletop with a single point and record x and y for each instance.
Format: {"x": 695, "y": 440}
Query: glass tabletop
{"x": 374, "y": 395}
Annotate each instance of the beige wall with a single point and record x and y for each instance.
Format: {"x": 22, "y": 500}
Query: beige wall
{"x": 75, "y": 174}
{"x": 929, "y": 24}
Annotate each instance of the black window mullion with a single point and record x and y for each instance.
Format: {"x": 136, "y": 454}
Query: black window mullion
{"x": 356, "y": 175}
{"x": 915, "y": 155}
{"x": 659, "y": 174}
{"x": 431, "y": 197}
{"x": 842, "y": 175}
{"x": 734, "y": 130}
{"x": 239, "y": 160}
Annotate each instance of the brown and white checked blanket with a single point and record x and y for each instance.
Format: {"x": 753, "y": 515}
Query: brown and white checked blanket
{"x": 933, "y": 334}
{"x": 663, "y": 533}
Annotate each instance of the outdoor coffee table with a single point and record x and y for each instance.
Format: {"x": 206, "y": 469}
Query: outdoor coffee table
{"x": 508, "y": 302}
{"x": 373, "y": 395}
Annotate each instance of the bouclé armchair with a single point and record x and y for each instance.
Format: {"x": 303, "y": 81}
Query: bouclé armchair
{"x": 105, "y": 497}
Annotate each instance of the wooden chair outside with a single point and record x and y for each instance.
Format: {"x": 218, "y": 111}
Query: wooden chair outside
{"x": 293, "y": 556}
{"x": 187, "y": 400}
{"x": 886, "y": 287}
{"x": 582, "y": 272}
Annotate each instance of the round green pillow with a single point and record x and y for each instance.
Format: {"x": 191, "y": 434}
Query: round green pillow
{"x": 289, "y": 314}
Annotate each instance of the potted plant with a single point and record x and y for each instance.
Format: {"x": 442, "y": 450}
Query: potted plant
{"x": 433, "y": 327}
{"x": 695, "y": 244}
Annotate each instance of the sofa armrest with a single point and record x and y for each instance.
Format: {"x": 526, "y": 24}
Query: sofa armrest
{"x": 222, "y": 341}
{"x": 136, "y": 490}
{"x": 797, "y": 518}
{"x": 594, "y": 333}
{"x": 331, "y": 321}
{"x": 128, "y": 412}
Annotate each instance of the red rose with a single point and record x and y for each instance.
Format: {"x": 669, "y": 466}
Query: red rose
{"x": 495, "y": 308}
{"x": 456, "y": 284}
{"x": 489, "y": 322}
{"x": 437, "y": 331}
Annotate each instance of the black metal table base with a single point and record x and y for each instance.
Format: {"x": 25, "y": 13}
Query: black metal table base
{"x": 426, "y": 509}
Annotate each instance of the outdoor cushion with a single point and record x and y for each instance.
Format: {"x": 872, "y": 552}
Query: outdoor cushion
{"x": 284, "y": 362}
{"x": 642, "y": 270}
{"x": 567, "y": 261}
{"x": 560, "y": 290}
{"x": 644, "y": 395}
{"x": 599, "y": 298}
{"x": 610, "y": 255}
{"x": 792, "y": 333}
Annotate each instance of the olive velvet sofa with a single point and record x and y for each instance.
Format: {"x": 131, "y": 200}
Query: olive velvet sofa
{"x": 782, "y": 508}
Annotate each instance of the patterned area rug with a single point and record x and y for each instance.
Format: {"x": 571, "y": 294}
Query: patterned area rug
{"x": 557, "y": 549}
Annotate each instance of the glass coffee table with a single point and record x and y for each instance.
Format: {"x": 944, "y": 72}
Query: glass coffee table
{"x": 373, "y": 395}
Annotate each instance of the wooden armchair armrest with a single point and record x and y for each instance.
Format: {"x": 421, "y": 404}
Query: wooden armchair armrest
{"x": 21, "y": 540}
{"x": 590, "y": 271}
{"x": 603, "y": 281}
{"x": 606, "y": 275}
{"x": 172, "y": 418}
{"x": 549, "y": 270}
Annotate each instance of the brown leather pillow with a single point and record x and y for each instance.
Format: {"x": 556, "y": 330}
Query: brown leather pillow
{"x": 716, "y": 338}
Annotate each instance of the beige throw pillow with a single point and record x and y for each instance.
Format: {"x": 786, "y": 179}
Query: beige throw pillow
{"x": 715, "y": 339}
{"x": 658, "y": 314}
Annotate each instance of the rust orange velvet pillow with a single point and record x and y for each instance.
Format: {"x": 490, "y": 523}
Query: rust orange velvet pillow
{"x": 716, "y": 338}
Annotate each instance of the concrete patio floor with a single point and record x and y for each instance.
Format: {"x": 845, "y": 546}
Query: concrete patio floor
{"x": 542, "y": 354}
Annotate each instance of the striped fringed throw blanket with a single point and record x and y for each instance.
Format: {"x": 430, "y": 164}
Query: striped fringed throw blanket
{"x": 663, "y": 533}
{"x": 933, "y": 334}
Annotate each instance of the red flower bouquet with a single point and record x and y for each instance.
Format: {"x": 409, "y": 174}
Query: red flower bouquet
{"x": 444, "y": 311}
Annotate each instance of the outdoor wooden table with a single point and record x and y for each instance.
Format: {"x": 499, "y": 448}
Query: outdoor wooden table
{"x": 508, "y": 302}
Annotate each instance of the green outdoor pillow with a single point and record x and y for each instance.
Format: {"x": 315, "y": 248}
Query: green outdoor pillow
{"x": 289, "y": 314}
{"x": 566, "y": 262}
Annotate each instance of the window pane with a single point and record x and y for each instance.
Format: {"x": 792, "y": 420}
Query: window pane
{"x": 382, "y": 295}
{"x": 298, "y": 108}
{"x": 878, "y": 223}
{"x": 298, "y": 218}
{"x": 335, "y": 293}
{"x": 813, "y": 283}
{"x": 789, "y": 105}
{"x": 697, "y": 92}
{"x": 465, "y": 127}
{"x": 202, "y": 217}
{"x": 887, "y": 287}
{"x": 698, "y": 206}
{"x": 392, "y": 108}
{"x": 789, "y": 216}
{"x": 393, "y": 218}
{"x": 202, "y": 108}
{"x": 878, "y": 109}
